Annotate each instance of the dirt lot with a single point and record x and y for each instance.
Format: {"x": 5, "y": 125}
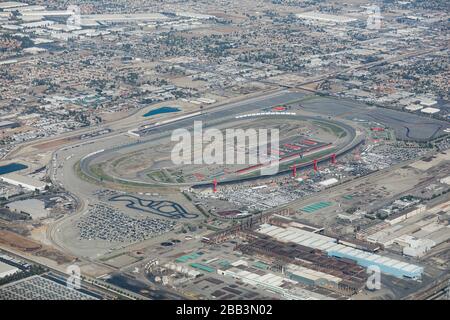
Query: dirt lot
{"x": 54, "y": 143}
{"x": 14, "y": 241}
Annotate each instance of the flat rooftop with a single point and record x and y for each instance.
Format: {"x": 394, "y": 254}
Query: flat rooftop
{"x": 7, "y": 268}
{"x": 311, "y": 15}
{"x": 12, "y": 4}
{"x": 23, "y": 180}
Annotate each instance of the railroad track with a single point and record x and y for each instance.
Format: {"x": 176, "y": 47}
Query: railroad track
{"x": 437, "y": 290}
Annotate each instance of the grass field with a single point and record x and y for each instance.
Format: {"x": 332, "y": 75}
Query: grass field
{"x": 331, "y": 128}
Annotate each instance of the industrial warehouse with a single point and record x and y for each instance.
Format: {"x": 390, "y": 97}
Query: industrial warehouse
{"x": 24, "y": 182}
{"x": 332, "y": 248}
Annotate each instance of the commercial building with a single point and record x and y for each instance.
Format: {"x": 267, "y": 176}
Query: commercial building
{"x": 311, "y": 277}
{"x": 7, "y": 270}
{"x": 37, "y": 24}
{"x": 349, "y": 217}
{"x": 445, "y": 180}
{"x": 328, "y": 182}
{"x": 271, "y": 282}
{"x": 27, "y": 8}
{"x": 322, "y": 17}
{"x": 318, "y": 263}
{"x": 413, "y": 246}
{"x": 427, "y": 102}
{"x": 12, "y": 4}
{"x": 8, "y": 125}
{"x": 414, "y": 107}
{"x": 430, "y": 110}
{"x": 387, "y": 265}
{"x": 401, "y": 216}
{"x": 24, "y": 182}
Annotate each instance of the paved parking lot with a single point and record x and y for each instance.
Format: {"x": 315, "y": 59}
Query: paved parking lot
{"x": 106, "y": 223}
{"x": 39, "y": 288}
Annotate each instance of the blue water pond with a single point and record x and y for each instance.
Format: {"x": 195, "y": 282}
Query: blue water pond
{"x": 161, "y": 110}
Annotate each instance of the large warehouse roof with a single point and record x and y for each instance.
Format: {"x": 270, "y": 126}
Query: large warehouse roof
{"x": 311, "y": 15}
{"x": 6, "y": 270}
{"x": 12, "y": 4}
{"x": 24, "y": 181}
{"x": 430, "y": 110}
{"x": 387, "y": 265}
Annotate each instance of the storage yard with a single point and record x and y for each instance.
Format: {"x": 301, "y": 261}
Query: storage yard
{"x": 40, "y": 288}
{"x": 108, "y": 224}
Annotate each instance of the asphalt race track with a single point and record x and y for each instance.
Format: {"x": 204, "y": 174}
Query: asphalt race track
{"x": 221, "y": 116}
{"x": 165, "y": 208}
